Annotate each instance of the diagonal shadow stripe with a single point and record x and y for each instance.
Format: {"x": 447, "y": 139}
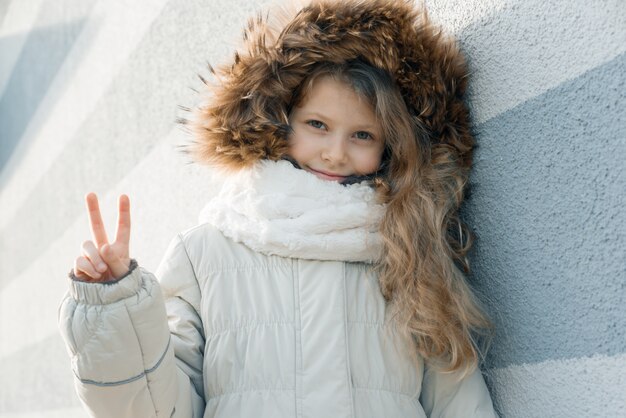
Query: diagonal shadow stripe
{"x": 136, "y": 111}
{"x": 4, "y": 8}
{"x": 528, "y": 46}
{"x": 59, "y": 25}
{"x": 548, "y": 208}
{"x": 42, "y": 56}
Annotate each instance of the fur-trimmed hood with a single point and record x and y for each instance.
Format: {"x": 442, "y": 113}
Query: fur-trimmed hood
{"x": 244, "y": 118}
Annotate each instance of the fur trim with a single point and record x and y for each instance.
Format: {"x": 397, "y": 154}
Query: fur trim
{"x": 245, "y": 118}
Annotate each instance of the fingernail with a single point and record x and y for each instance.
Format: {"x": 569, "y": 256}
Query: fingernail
{"x": 102, "y": 267}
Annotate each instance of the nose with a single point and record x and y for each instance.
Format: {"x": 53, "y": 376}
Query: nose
{"x": 334, "y": 150}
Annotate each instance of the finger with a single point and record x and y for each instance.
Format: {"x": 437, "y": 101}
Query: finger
{"x": 91, "y": 252}
{"x": 122, "y": 234}
{"x": 97, "y": 226}
{"x": 116, "y": 265}
{"x": 84, "y": 269}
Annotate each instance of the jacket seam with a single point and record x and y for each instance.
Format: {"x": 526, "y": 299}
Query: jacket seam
{"x": 193, "y": 270}
{"x": 143, "y": 358}
{"x": 253, "y": 267}
{"x": 368, "y": 323}
{"x": 297, "y": 335}
{"x": 248, "y": 326}
{"x": 346, "y": 336}
{"x": 92, "y": 333}
{"x": 130, "y": 379}
{"x": 250, "y": 390}
{"x": 395, "y": 392}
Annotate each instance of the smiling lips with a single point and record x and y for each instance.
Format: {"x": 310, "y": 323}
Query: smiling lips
{"x": 326, "y": 175}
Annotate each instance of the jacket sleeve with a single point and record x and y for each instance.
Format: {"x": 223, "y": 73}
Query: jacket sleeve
{"x": 125, "y": 360}
{"x": 446, "y": 395}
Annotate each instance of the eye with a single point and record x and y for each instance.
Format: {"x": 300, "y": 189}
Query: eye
{"x": 316, "y": 124}
{"x": 364, "y": 135}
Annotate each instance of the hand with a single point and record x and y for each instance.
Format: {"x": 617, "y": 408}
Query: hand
{"x": 101, "y": 261}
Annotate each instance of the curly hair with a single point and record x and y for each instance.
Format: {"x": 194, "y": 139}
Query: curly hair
{"x": 425, "y": 242}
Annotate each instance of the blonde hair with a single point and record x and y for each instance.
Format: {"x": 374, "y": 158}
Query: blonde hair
{"x": 421, "y": 272}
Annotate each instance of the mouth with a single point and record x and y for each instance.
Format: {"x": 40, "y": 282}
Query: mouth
{"x": 326, "y": 175}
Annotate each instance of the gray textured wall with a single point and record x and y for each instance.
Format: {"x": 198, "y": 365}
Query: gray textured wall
{"x": 88, "y": 95}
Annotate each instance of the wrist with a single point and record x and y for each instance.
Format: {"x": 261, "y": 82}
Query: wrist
{"x": 132, "y": 265}
{"x": 103, "y": 293}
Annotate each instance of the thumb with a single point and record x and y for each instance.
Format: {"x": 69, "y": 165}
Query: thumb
{"x": 116, "y": 265}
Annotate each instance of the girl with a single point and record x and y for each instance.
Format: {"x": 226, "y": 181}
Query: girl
{"x": 325, "y": 278}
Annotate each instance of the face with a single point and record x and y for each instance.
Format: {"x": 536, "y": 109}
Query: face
{"x": 335, "y": 132}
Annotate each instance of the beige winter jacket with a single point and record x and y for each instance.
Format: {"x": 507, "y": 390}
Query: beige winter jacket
{"x": 249, "y": 335}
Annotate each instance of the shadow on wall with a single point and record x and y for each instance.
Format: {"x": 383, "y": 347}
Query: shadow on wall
{"x": 41, "y": 57}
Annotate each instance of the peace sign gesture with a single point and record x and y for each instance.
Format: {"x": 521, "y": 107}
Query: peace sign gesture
{"x": 101, "y": 261}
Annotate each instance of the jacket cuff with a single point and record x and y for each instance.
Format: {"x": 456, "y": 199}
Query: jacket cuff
{"x": 103, "y": 293}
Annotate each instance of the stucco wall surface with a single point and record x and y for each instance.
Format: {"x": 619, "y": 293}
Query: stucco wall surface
{"x": 88, "y": 102}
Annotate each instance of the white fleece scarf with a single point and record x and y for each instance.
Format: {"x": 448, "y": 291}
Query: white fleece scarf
{"x": 277, "y": 209}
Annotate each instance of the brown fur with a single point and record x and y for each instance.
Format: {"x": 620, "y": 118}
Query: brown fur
{"x": 245, "y": 118}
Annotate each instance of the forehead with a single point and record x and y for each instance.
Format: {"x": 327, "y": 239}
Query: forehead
{"x": 334, "y": 96}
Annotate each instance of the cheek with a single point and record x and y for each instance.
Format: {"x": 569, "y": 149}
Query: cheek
{"x": 299, "y": 145}
{"x": 369, "y": 161}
